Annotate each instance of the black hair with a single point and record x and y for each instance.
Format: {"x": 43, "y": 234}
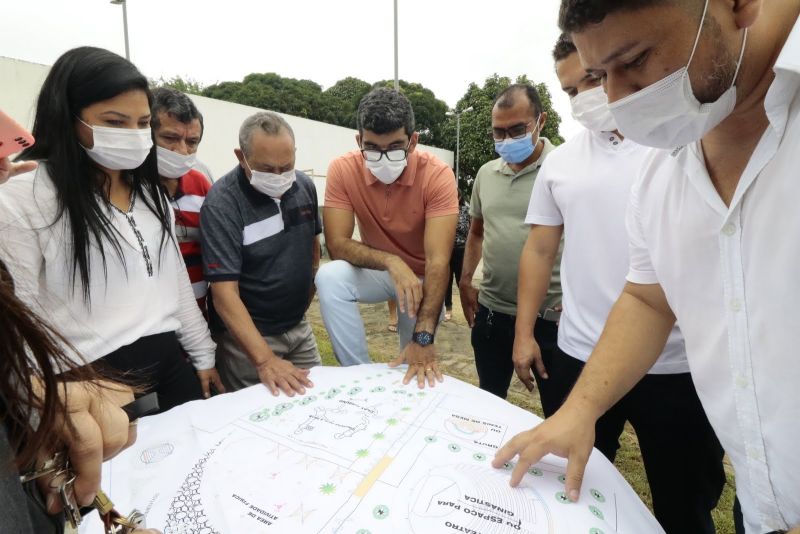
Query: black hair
{"x": 507, "y": 98}
{"x": 175, "y": 104}
{"x": 385, "y": 110}
{"x": 575, "y": 15}
{"x": 32, "y": 356}
{"x": 79, "y": 78}
{"x": 564, "y": 47}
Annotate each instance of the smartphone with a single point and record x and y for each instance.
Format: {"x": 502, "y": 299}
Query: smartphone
{"x": 146, "y": 405}
{"x": 13, "y": 137}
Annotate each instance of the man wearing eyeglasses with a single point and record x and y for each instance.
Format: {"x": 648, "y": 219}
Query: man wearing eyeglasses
{"x": 178, "y": 129}
{"x": 406, "y": 205}
{"x": 497, "y": 233}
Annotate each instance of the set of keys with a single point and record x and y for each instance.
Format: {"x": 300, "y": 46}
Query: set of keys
{"x": 63, "y": 479}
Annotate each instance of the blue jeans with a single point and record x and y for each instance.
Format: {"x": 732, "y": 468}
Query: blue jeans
{"x": 340, "y": 287}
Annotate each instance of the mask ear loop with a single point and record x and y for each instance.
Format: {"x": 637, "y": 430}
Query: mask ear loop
{"x": 537, "y": 132}
{"x": 697, "y": 37}
{"x": 249, "y": 168}
{"x": 741, "y": 56}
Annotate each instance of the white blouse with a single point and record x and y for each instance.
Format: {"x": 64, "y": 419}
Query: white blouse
{"x": 136, "y": 297}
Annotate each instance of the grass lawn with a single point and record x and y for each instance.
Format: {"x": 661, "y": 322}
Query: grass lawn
{"x": 628, "y": 460}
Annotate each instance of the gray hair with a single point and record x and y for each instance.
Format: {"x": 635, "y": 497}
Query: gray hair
{"x": 270, "y": 123}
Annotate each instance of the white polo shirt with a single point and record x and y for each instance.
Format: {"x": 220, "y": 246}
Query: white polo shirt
{"x": 732, "y": 277}
{"x": 131, "y": 300}
{"x": 584, "y": 185}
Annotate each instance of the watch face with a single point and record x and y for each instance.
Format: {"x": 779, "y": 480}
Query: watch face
{"x": 423, "y": 338}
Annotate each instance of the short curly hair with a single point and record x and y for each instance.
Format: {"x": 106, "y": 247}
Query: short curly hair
{"x": 385, "y": 110}
{"x": 564, "y": 47}
{"x": 575, "y": 15}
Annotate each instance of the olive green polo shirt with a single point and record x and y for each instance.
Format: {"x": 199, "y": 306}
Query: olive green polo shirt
{"x": 500, "y": 197}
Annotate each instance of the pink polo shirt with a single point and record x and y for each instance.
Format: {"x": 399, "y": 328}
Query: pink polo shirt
{"x": 392, "y": 217}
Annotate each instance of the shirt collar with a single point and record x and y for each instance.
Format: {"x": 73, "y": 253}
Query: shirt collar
{"x": 611, "y": 142}
{"x": 179, "y": 191}
{"x": 406, "y": 178}
{"x": 503, "y": 168}
{"x": 781, "y": 91}
{"x": 784, "y": 87}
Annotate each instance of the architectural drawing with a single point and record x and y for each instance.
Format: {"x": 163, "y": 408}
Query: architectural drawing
{"x": 359, "y": 453}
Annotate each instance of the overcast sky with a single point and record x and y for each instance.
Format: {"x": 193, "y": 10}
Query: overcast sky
{"x": 444, "y": 44}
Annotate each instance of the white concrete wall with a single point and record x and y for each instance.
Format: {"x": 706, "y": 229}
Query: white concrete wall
{"x": 317, "y": 143}
{"x": 19, "y": 88}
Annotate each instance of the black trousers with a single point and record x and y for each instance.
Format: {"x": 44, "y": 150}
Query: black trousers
{"x": 456, "y": 263}
{"x": 157, "y": 363}
{"x": 493, "y": 344}
{"x": 682, "y": 456}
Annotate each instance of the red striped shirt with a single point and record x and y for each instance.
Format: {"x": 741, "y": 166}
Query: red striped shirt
{"x": 189, "y": 197}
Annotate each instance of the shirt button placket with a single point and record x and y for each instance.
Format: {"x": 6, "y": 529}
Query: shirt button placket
{"x": 745, "y": 394}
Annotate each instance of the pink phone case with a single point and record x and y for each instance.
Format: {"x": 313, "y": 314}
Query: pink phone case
{"x": 13, "y": 137}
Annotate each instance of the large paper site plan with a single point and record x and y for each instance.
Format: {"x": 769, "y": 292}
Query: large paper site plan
{"x": 360, "y": 453}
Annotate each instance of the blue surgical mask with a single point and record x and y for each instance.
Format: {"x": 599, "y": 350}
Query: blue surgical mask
{"x": 518, "y": 150}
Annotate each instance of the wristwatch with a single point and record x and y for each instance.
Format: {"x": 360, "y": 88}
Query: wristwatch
{"x": 422, "y": 338}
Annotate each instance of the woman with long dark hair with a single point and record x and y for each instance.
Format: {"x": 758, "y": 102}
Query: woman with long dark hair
{"x": 89, "y": 236}
{"x": 40, "y": 413}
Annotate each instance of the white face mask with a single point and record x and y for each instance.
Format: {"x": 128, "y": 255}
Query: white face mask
{"x": 590, "y": 108}
{"x": 173, "y": 165}
{"x": 271, "y": 184}
{"x": 386, "y": 171}
{"x": 119, "y": 148}
{"x": 666, "y": 114}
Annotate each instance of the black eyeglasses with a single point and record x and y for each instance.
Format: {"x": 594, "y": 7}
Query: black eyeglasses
{"x": 518, "y": 131}
{"x": 393, "y": 154}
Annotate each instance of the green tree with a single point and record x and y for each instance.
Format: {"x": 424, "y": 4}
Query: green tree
{"x": 344, "y": 97}
{"x": 188, "y": 85}
{"x": 476, "y": 144}
{"x": 302, "y": 98}
{"x": 336, "y": 105}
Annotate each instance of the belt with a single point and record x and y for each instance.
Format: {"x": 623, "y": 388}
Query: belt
{"x": 549, "y": 315}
